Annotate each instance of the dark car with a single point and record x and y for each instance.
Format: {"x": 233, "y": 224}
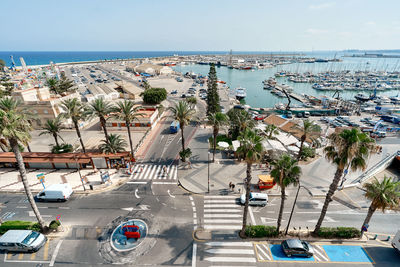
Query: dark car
{"x": 299, "y": 115}
{"x": 174, "y": 92}
{"x": 297, "y": 247}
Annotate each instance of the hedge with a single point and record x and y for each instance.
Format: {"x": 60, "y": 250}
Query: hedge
{"x": 261, "y": 231}
{"x": 18, "y": 225}
{"x": 54, "y": 225}
{"x": 339, "y": 232}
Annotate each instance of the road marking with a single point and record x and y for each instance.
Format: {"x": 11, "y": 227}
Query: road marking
{"x": 229, "y": 259}
{"x": 319, "y": 253}
{"x": 230, "y": 244}
{"x": 327, "y": 219}
{"x": 208, "y": 206}
{"x": 253, "y": 220}
{"x": 194, "y": 254}
{"x": 46, "y": 250}
{"x": 265, "y": 220}
{"x": 53, "y": 258}
{"x": 8, "y": 256}
{"x": 164, "y": 182}
{"x": 210, "y": 197}
{"x": 136, "y": 193}
{"x": 223, "y": 216}
{"x": 32, "y": 214}
{"x": 221, "y": 221}
{"x": 136, "y": 182}
{"x": 222, "y": 227}
{"x": 230, "y": 251}
{"x": 262, "y": 249}
{"x": 219, "y": 201}
{"x": 170, "y": 194}
{"x": 142, "y": 172}
{"x": 152, "y": 171}
{"x": 64, "y": 208}
{"x": 220, "y": 210}
{"x": 33, "y": 256}
{"x": 21, "y": 207}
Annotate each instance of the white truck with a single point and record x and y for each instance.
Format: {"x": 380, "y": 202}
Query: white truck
{"x": 396, "y": 241}
{"x": 55, "y": 192}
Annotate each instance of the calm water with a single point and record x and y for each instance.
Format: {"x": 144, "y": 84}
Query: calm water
{"x": 258, "y": 97}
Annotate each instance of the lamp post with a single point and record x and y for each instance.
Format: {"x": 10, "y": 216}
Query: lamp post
{"x": 294, "y": 204}
{"x": 208, "y": 172}
{"x": 79, "y": 171}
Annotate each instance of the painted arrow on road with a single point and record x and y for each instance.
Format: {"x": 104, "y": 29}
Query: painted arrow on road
{"x": 268, "y": 220}
{"x": 141, "y": 207}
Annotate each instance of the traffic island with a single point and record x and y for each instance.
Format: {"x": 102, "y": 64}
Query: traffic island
{"x": 127, "y": 238}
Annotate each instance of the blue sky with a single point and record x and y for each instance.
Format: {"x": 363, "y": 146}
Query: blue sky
{"x": 251, "y": 25}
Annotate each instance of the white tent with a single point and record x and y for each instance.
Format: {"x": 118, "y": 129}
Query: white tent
{"x": 304, "y": 144}
{"x": 286, "y": 139}
{"x": 235, "y": 144}
{"x": 293, "y": 148}
{"x": 273, "y": 145}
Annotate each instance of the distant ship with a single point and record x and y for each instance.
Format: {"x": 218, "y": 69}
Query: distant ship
{"x": 362, "y": 97}
{"x": 240, "y": 93}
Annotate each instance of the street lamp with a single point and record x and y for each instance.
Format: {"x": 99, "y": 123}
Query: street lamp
{"x": 291, "y": 213}
{"x": 208, "y": 172}
{"x": 79, "y": 171}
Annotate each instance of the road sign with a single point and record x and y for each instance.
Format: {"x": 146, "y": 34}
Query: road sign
{"x": 58, "y": 217}
{"x": 105, "y": 176}
{"x": 40, "y": 176}
{"x": 365, "y": 227}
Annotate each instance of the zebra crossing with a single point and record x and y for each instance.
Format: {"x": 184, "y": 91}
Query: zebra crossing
{"x": 319, "y": 253}
{"x": 154, "y": 172}
{"x": 230, "y": 253}
{"x": 222, "y": 213}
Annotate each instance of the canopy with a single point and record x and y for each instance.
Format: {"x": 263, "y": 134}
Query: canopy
{"x": 286, "y": 139}
{"x": 293, "y": 148}
{"x": 235, "y": 144}
{"x": 273, "y": 145}
{"x": 304, "y": 144}
{"x": 223, "y": 144}
{"x": 265, "y": 178}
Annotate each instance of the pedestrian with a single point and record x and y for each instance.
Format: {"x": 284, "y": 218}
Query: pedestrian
{"x": 190, "y": 164}
{"x": 230, "y": 185}
{"x": 233, "y": 187}
{"x": 141, "y": 169}
{"x": 165, "y": 169}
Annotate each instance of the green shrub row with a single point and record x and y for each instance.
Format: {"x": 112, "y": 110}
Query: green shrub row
{"x": 339, "y": 232}
{"x": 261, "y": 231}
{"x": 18, "y": 225}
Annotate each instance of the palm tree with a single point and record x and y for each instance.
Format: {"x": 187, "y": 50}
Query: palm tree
{"x": 52, "y": 83}
{"x": 383, "y": 195}
{"x": 309, "y": 130}
{"x": 182, "y": 112}
{"x": 347, "y": 149}
{"x": 114, "y": 144}
{"x": 250, "y": 150}
{"x": 76, "y": 111}
{"x": 15, "y": 127}
{"x": 239, "y": 120}
{"x": 217, "y": 120}
{"x": 101, "y": 109}
{"x": 127, "y": 112}
{"x": 285, "y": 172}
{"x": 271, "y": 130}
{"x": 53, "y": 127}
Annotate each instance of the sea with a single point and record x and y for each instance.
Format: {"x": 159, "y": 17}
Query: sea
{"x": 249, "y": 79}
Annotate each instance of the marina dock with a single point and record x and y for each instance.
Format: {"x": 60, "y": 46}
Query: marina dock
{"x": 291, "y": 94}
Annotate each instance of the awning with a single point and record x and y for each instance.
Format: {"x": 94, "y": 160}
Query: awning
{"x": 286, "y": 139}
{"x": 265, "y": 178}
{"x": 273, "y": 145}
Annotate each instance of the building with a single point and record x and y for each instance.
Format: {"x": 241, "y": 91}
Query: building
{"x": 43, "y": 104}
{"x": 151, "y": 69}
{"x": 148, "y": 120}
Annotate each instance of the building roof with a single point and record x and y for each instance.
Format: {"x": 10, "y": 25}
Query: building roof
{"x": 275, "y": 120}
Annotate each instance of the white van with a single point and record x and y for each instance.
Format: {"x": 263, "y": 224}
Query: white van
{"x": 256, "y": 199}
{"x": 55, "y": 192}
{"x": 396, "y": 241}
{"x": 22, "y": 241}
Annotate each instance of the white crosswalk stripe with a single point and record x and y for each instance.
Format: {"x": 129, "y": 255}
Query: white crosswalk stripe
{"x": 230, "y": 253}
{"x": 154, "y": 172}
{"x": 319, "y": 253}
{"x": 222, "y": 212}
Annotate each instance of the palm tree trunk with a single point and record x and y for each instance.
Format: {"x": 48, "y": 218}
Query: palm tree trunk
{"x": 183, "y": 137}
{"x": 215, "y": 132}
{"x": 128, "y": 127}
{"x": 28, "y": 147}
{"x": 283, "y": 197}
{"x": 79, "y": 136}
{"x": 22, "y": 172}
{"x": 328, "y": 199}
{"x": 103, "y": 125}
{"x": 246, "y": 203}
{"x": 371, "y": 211}
{"x": 56, "y": 139}
{"x": 303, "y": 138}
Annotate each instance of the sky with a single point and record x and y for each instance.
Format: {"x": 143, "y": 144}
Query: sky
{"x": 203, "y": 25}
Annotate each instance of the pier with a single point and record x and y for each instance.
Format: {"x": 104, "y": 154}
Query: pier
{"x": 291, "y": 94}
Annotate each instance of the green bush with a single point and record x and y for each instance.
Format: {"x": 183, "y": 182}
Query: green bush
{"x": 18, "y": 225}
{"x": 185, "y": 154}
{"x": 307, "y": 152}
{"x": 339, "y": 232}
{"x": 261, "y": 231}
{"x": 154, "y": 95}
{"x": 54, "y": 225}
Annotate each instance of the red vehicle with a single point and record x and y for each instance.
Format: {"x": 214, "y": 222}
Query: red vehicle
{"x": 131, "y": 231}
{"x": 259, "y": 117}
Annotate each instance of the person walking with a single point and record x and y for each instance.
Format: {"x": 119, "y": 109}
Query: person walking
{"x": 230, "y": 185}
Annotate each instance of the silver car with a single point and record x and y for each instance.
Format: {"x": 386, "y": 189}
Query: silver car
{"x": 297, "y": 247}
{"x": 22, "y": 241}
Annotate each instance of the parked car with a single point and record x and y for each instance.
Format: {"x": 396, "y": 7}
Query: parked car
{"x": 174, "y": 92}
{"x": 299, "y": 115}
{"x": 306, "y": 114}
{"x": 297, "y": 247}
{"x": 22, "y": 241}
{"x": 259, "y": 117}
{"x": 289, "y": 114}
{"x": 183, "y": 96}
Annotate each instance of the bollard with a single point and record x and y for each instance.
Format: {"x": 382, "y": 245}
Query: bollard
{"x": 91, "y": 187}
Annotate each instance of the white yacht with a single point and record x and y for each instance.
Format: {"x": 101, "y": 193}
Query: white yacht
{"x": 240, "y": 93}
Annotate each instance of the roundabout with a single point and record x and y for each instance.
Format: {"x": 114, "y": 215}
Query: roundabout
{"x": 128, "y": 235}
